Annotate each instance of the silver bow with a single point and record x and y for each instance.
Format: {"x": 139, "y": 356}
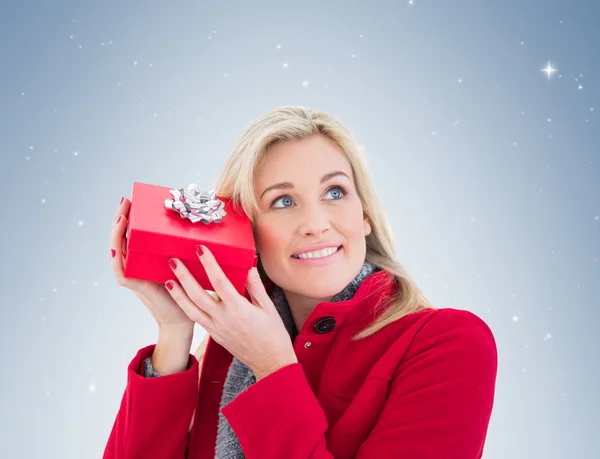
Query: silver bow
{"x": 197, "y": 205}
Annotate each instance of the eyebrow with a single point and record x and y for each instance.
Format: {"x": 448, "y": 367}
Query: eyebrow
{"x": 288, "y": 185}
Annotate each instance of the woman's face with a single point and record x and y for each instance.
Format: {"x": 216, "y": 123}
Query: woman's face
{"x": 303, "y": 204}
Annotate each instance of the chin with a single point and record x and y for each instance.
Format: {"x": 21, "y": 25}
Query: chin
{"x": 315, "y": 282}
{"x": 321, "y": 286}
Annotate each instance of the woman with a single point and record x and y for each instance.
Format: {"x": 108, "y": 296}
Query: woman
{"x": 332, "y": 353}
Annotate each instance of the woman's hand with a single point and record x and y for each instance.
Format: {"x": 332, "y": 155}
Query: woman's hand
{"x": 251, "y": 331}
{"x": 164, "y": 309}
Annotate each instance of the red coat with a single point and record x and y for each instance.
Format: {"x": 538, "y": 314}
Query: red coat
{"x": 422, "y": 387}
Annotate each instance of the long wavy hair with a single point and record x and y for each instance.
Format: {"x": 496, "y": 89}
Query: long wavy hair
{"x": 289, "y": 123}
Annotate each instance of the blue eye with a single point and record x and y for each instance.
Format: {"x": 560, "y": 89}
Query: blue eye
{"x": 332, "y": 189}
{"x": 337, "y": 188}
{"x": 287, "y": 198}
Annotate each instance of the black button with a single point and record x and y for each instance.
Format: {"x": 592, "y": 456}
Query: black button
{"x": 325, "y": 325}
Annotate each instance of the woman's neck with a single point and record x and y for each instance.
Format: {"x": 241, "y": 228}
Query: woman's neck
{"x": 301, "y": 306}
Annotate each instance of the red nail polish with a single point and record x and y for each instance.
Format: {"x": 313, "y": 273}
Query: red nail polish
{"x": 172, "y": 264}
{"x": 122, "y": 200}
{"x": 119, "y": 219}
{"x": 199, "y": 250}
{"x": 255, "y": 261}
{"x": 169, "y": 285}
{"x": 113, "y": 252}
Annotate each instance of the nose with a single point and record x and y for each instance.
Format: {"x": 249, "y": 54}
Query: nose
{"x": 315, "y": 221}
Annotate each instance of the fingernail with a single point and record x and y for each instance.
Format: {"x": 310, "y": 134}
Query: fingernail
{"x": 255, "y": 261}
{"x": 119, "y": 219}
{"x": 169, "y": 285}
{"x": 199, "y": 250}
{"x": 172, "y": 264}
{"x": 122, "y": 200}
{"x": 113, "y": 252}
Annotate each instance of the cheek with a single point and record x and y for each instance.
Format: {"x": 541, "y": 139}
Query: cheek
{"x": 269, "y": 237}
{"x": 353, "y": 224}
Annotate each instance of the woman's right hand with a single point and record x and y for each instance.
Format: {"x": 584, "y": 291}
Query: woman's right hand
{"x": 166, "y": 312}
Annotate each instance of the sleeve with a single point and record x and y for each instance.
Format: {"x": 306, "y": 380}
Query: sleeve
{"x": 438, "y": 404}
{"x": 154, "y": 415}
{"x": 441, "y": 397}
{"x": 292, "y": 406}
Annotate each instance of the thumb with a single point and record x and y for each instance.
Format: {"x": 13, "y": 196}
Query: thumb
{"x": 257, "y": 291}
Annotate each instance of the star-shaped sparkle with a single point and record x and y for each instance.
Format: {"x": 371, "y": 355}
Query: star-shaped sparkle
{"x": 549, "y": 70}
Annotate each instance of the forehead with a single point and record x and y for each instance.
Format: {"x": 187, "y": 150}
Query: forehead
{"x": 300, "y": 160}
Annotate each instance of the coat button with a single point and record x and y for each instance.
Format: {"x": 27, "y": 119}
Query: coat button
{"x": 324, "y": 325}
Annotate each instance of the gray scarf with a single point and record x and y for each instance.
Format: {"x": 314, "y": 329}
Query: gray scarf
{"x": 240, "y": 377}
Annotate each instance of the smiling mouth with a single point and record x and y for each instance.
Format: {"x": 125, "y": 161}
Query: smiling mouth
{"x": 319, "y": 257}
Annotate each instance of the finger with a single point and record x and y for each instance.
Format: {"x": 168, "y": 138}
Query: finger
{"x": 126, "y": 208}
{"x": 124, "y": 240}
{"x": 117, "y": 234}
{"x": 257, "y": 291}
{"x": 123, "y": 208}
{"x": 189, "y": 306}
{"x": 116, "y": 262}
{"x": 118, "y": 226}
{"x": 124, "y": 247}
{"x": 217, "y": 277}
{"x": 194, "y": 291}
{"x": 116, "y": 252}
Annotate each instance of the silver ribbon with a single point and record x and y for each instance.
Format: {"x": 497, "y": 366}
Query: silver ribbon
{"x": 197, "y": 205}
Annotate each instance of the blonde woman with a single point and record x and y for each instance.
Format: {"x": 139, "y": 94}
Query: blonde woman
{"x": 333, "y": 352}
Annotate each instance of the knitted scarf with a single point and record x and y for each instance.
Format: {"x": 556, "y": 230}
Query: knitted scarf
{"x": 240, "y": 377}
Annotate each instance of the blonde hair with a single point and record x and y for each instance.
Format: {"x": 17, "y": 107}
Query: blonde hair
{"x": 290, "y": 123}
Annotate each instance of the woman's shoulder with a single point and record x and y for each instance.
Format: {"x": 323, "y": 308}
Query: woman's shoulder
{"x": 444, "y": 317}
{"x": 452, "y": 328}
{"x": 443, "y": 343}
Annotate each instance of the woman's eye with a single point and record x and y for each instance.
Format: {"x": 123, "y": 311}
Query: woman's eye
{"x": 283, "y": 198}
{"x": 338, "y": 193}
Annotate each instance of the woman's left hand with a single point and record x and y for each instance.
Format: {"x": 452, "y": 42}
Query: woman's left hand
{"x": 251, "y": 331}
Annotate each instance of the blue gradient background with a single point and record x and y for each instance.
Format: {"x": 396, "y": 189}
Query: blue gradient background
{"x": 489, "y": 171}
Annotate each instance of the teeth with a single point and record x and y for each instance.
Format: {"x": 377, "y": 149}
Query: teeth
{"x": 318, "y": 253}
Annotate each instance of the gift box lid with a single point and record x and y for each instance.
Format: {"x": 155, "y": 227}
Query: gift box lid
{"x": 153, "y": 228}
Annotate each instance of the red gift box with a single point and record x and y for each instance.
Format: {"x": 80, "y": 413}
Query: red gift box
{"x": 155, "y": 234}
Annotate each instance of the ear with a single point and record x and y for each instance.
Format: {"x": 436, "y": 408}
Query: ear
{"x": 367, "y": 226}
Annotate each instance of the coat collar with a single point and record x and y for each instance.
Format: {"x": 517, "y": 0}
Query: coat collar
{"x": 356, "y": 304}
